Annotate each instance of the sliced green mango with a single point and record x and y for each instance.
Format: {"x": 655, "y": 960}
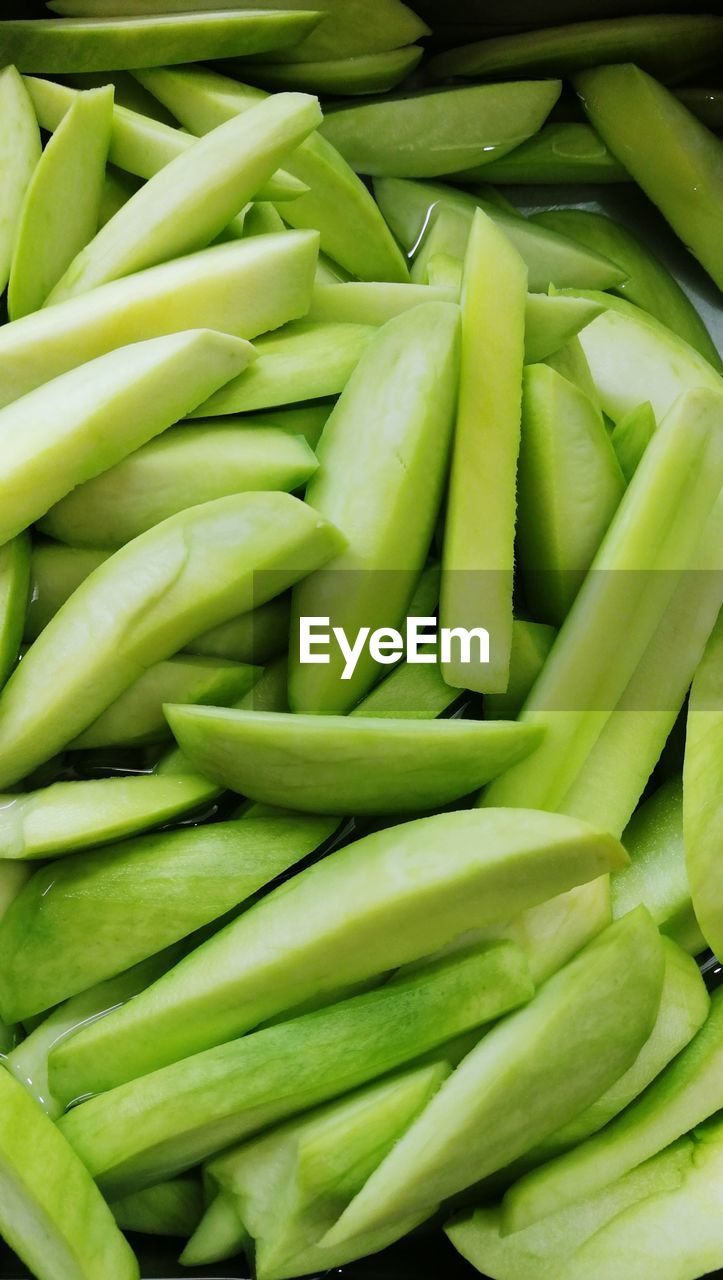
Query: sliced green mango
{"x": 188, "y": 202}
{"x": 19, "y": 155}
{"x": 15, "y": 558}
{"x": 531, "y": 643}
{"x": 241, "y": 289}
{"x": 631, "y": 436}
{"x": 351, "y": 228}
{"x": 181, "y": 468}
{"x": 412, "y": 210}
{"x": 252, "y": 637}
{"x": 307, "y": 420}
{"x": 55, "y": 572}
{"x": 118, "y": 187}
{"x": 657, "y": 873}
{"x": 334, "y": 764}
{"x": 673, "y": 1233}
{"x": 668, "y": 45}
{"x": 557, "y": 153}
{"x": 345, "y": 77}
{"x": 478, "y": 555}
{"x": 152, "y": 1128}
{"x": 290, "y": 1186}
{"x": 649, "y": 285}
{"x": 77, "y": 815}
{"x": 52, "y": 1213}
{"x": 381, "y": 919}
{"x": 702, "y": 791}
{"x": 172, "y": 1208}
{"x": 423, "y": 135}
{"x": 569, "y": 487}
{"x": 69, "y": 176}
{"x": 145, "y": 603}
{"x": 411, "y": 692}
{"x": 671, "y": 155}
{"x": 28, "y": 1061}
{"x": 508, "y": 1092}
{"x": 62, "y": 45}
{"x": 383, "y": 462}
{"x": 571, "y": 363}
{"x": 136, "y": 718}
{"x": 549, "y": 326}
{"x": 540, "y": 1251}
{"x": 219, "y": 1235}
{"x": 269, "y": 692}
{"x": 85, "y": 421}
{"x": 643, "y": 558}
{"x": 97, "y": 913}
{"x": 688, "y": 1091}
{"x": 302, "y": 361}
{"x": 372, "y": 303}
{"x": 347, "y": 27}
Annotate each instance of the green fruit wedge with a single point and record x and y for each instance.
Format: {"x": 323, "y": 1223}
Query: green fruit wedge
{"x": 172, "y": 1208}
{"x": 15, "y": 561}
{"x": 69, "y": 176}
{"x": 253, "y": 637}
{"x": 701, "y": 791}
{"x": 548, "y": 326}
{"x": 515, "y": 1086}
{"x": 85, "y": 421}
{"x": 381, "y": 888}
{"x": 19, "y": 155}
{"x": 152, "y": 1128}
{"x": 219, "y": 1235}
{"x": 631, "y": 436}
{"x": 146, "y": 602}
{"x": 557, "y": 153}
{"x": 346, "y": 77}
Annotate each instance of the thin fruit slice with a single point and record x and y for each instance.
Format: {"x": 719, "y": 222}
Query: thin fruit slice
{"x": 219, "y": 1235}
{"x": 19, "y": 154}
{"x": 15, "y": 560}
{"x": 172, "y": 1208}
{"x": 381, "y": 888}
{"x": 702, "y": 816}
{"x": 345, "y": 77}
{"x": 557, "y": 153}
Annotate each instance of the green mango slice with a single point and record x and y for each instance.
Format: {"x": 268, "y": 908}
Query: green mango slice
{"x": 383, "y": 461}
{"x": 701, "y": 791}
{"x": 15, "y": 560}
{"x": 671, "y": 1234}
{"x": 531, "y": 643}
{"x": 631, "y": 436}
{"x": 172, "y": 1208}
{"x": 381, "y": 919}
{"x": 307, "y": 420}
{"x": 62, "y": 45}
{"x": 302, "y": 361}
{"x": 52, "y": 1213}
{"x": 541, "y": 1251}
{"x": 649, "y": 285}
{"x": 85, "y": 421}
{"x": 657, "y": 872}
{"x": 351, "y": 228}
{"x": 571, "y": 363}
{"x": 506, "y": 1094}
{"x": 252, "y": 637}
{"x": 19, "y": 154}
{"x": 96, "y": 913}
{"x": 478, "y": 554}
{"x": 548, "y": 326}
{"x": 145, "y": 603}
{"x": 150, "y": 1129}
{"x": 189, "y": 201}
{"x": 345, "y": 77}
{"x": 242, "y": 289}
{"x": 658, "y": 525}
{"x": 337, "y": 764}
{"x": 671, "y": 155}
{"x": 219, "y": 1235}
{"x": 118, "y": 187}
{"x": 181, "y": 468}
{"x": 688, "y": 1091}
{"x": 668, "y": 45}
{"x": 411, "y": 692}
{"x": 69, "y": 175}
{"x": 423, "y": 135}
{"x": 347, "y": 27}
{"x": 413, "y": 210}
{"x": 290, "y": 1186}
{"x": 557, "y": 153}
{"x": 55, "y": 572}
{"x": 569, "y": 488}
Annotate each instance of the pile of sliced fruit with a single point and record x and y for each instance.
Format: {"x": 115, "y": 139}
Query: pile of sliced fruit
{"x": 361, "y": 663}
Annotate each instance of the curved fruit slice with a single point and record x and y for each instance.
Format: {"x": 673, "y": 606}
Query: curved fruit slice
{"x": 702, "y": 778}
{"x": 557, "y": 153}
{"x": 15, "y": 559}
{"x": 344, "y": 77}
{"x": 381, "y": 888}
{"x": 218, "y": 1236}
{"x": 19, "y": 154}
{"x": 172, "y": 1208}
{"x": 337, "y": 764}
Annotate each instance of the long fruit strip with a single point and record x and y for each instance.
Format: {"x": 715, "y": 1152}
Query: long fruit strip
{"x": 478, "y": 555}
{"x": 649, "y": 546}
{"x": 62, "y": 45}
{"x": 345, "y": 77}
{"x": 190, "y": 201}
{"x": 19, "y": 154}
{"x": 145, "y": 603}
{"x": 702, "y": 777}
{"x": 80, "y": 424}
{"x": 671, "y": 155}
{"x": 556, "y": 153}
{"x": 15, "y": 558}
{"x": 242, "y": 289}
{"x": 134, "y": 1135}
{"x": 338, "y": 205}
{"x": 382, "y": 887}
